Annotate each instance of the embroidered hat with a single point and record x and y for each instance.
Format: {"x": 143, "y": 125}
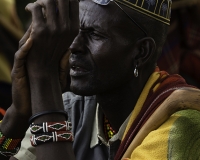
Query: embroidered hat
{"x": 157, "y": 9}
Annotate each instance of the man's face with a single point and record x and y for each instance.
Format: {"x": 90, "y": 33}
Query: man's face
{"x": 101, "y": 58}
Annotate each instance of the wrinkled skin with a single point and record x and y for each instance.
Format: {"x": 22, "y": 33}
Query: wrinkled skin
{"x": 97, "y": 65}
{"x": 56, "y": 29}
{"x": 103, "y": 59}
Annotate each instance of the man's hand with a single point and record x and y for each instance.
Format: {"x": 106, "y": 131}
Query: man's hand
{"x": 54, "y": 27}
{"x": 15, "y": 121}
{"x": 20, "y": 85}
{"x": 64, "y": 76}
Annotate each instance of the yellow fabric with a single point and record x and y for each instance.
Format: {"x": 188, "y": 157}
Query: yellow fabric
{"x": 155, "y": 145}
{"x": 4, "y": 69}
{"x": 6, "y": 6}
{"x": 141, "y": 100}
{"x": 176, "y": 139}
{"x": 9, "y": 18}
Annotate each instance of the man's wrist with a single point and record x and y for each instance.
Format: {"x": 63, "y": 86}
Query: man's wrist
{"x": 46, "y": 94}
{"x": 14, "y": 123}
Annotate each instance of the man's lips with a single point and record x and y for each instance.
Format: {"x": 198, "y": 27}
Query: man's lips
{"x": 79, "y": 65}
{"x": 78, "y": 71}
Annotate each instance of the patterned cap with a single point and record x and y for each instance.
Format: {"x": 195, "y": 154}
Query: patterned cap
{"x": 157, "y": 9}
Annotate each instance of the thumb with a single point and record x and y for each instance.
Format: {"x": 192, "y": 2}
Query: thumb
{"x": 18, "y": 70}
{"x": 23, "y": 51}
{"x": 64, "y": 70}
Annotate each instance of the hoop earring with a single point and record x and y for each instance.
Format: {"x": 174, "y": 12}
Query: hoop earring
{"x": 136, "y": 71}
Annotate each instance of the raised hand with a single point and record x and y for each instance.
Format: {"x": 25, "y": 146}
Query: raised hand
{"x": 64, "y": 72}
{"x": 54, "y": 26}
{"x": 20, "y": 84}
{"x": 15, "y": 122}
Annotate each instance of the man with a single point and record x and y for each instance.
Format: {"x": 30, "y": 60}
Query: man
{"x": 114, "y": 58}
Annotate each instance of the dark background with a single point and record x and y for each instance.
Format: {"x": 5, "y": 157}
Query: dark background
{"x": 24, "y": 16}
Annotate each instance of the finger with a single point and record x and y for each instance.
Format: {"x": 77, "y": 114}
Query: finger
{"x": 21, "y": 54}
{"x": 63, "y": 8}
{"x": 64, "y": 69}
{"x": 25, "y": 37}
{"x": 74, "y": 14}
{"x": 18, "y": 70}
{"x": 65, "y": 60}
{"x": 37, "y": 14}
{"x": 74, "y": 10}
{"x": 50, "y": 8}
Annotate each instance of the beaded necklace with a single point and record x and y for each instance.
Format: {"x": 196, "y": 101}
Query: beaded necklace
{"x": 109, "y": 132}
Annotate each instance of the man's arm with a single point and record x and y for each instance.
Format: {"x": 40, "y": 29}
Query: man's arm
{"x": 53, "y": 30}
{"x": 15, "y": 121}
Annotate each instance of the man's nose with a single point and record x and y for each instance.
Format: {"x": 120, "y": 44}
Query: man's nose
{"x": 78, "y": 44}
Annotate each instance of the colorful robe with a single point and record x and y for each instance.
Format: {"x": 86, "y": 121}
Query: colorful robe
{"x": 176, "y": 138}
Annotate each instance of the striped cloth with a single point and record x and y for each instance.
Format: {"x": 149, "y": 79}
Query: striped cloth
{"x": 159, "y": 86}
{"x": 176, "y": 139}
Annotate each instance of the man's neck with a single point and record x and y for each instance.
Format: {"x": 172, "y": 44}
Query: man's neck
{"x": 119, "y": 103}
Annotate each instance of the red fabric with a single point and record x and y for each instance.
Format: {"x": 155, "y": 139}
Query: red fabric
{"x": 168, "y": 84}
{"x": 2, "y": 113}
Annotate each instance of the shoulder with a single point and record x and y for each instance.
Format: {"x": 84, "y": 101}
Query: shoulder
{"x": 177, "y": 138}
{"x": 184, "y": 135}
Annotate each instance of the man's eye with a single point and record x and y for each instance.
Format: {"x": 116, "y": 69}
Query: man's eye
{"x": 95, "y": 35}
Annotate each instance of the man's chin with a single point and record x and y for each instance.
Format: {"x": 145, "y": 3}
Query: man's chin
{"x": 81, "y": 91}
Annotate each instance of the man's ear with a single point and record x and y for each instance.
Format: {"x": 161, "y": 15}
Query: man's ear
{"x": 143, "y": 50}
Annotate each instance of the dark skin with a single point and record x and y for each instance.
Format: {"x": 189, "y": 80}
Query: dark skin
{"x": 102, "y": 61}
{"x": 96, "y": 43}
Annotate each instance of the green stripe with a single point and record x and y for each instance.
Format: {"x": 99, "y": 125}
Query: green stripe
{"x": 184, "y": 136}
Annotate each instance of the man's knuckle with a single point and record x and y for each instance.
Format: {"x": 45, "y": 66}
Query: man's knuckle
{"x": 65, "y": 26}
{"x": 48, "y": 2}
{"x": 21, "y": 42}
{"x": 16, "y": 56}
{"x": 36, "y": 6}
{"x": 13, "y": 74}
{"x": 28, "y": 6}
{"x": 39, "y": 31}
{"x": 33, "y": 6}
{"x": 54, "y": 30}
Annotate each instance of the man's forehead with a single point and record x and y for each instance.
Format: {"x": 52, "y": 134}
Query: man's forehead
{"x": 92, "y": 12}
{"x": 90, "y": 7}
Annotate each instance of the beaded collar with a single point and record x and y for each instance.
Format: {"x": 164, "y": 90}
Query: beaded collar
{"x": 108, "y": 130}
